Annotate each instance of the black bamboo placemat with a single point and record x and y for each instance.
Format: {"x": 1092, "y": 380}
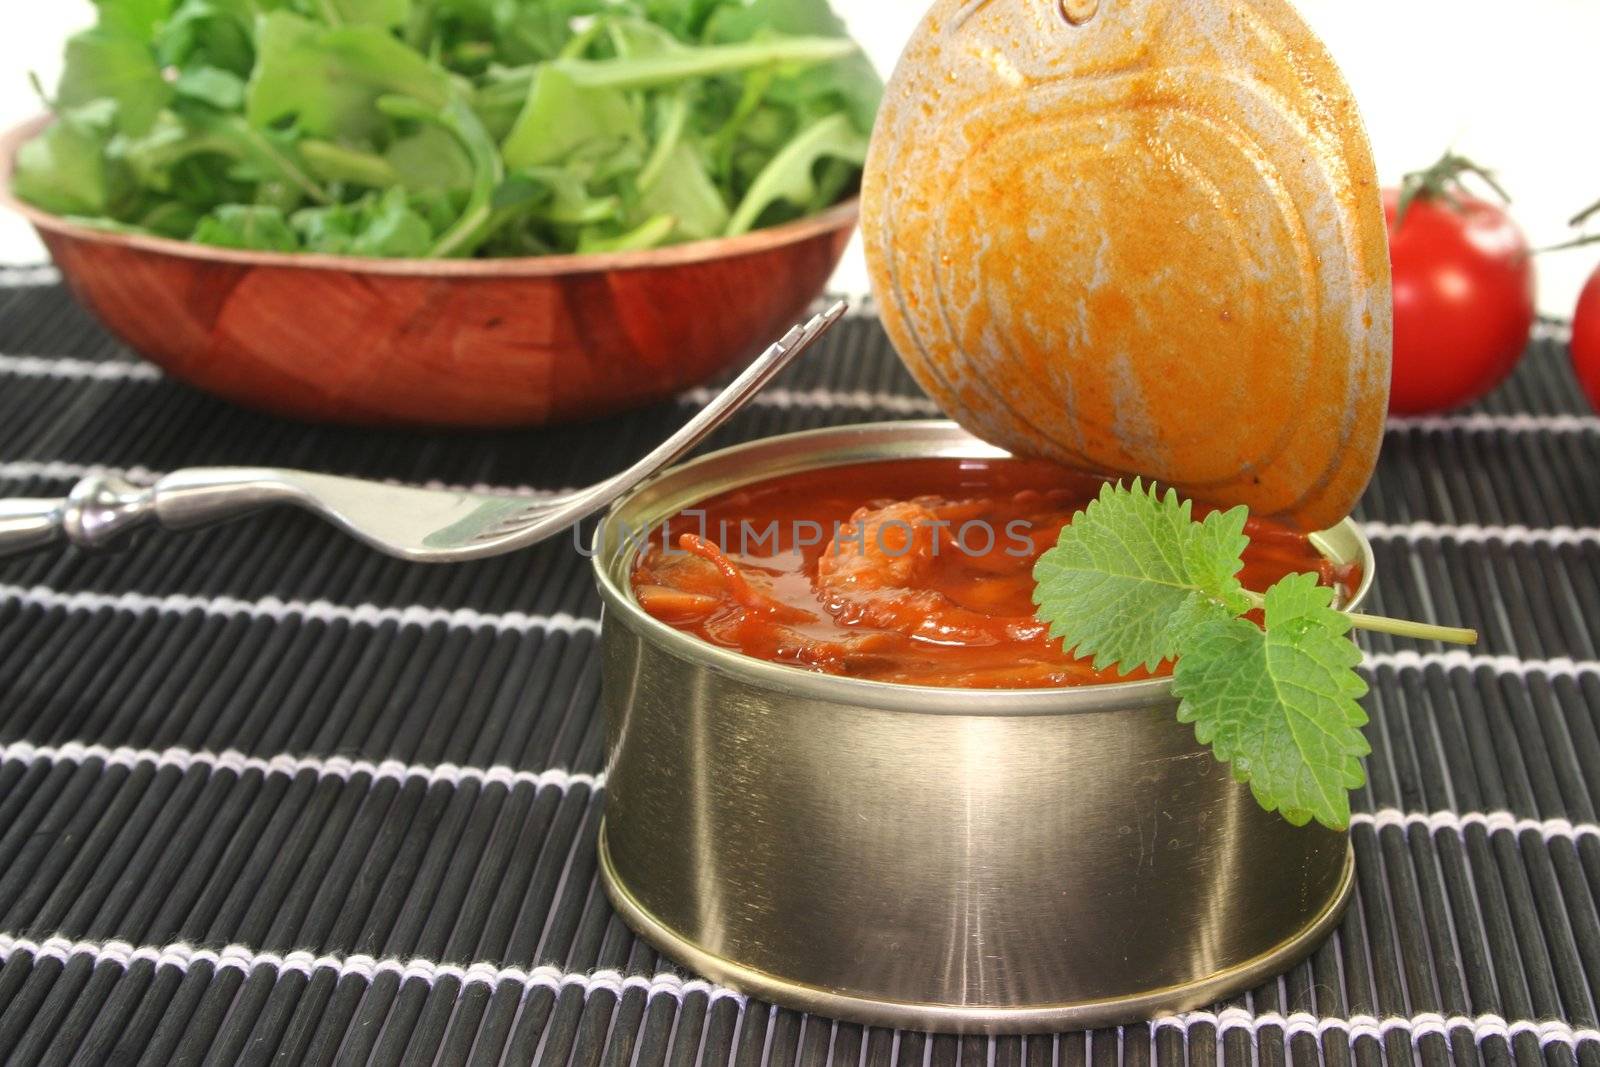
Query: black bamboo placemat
{"x": 265, "y": 795}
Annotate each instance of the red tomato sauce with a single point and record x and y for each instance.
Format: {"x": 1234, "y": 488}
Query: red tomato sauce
{"x": 912, "y": 571}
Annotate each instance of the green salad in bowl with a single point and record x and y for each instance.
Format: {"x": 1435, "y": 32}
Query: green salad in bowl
{"x": 452, "y": 128}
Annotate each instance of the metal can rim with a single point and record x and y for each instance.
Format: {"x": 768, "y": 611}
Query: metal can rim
{"x": 857, "y": 443}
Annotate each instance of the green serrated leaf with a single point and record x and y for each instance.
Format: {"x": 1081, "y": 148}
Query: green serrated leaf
{"x": 1279, "y": 705}
{"x": 1133, "y": 574}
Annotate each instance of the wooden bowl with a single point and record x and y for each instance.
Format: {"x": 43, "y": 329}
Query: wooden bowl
{"x": 507, "y": 342}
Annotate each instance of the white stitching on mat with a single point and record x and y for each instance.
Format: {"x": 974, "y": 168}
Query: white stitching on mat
{"x": 825, "y": 399}
{"x": 244, "y": 959}
{"x": 1492, "y": 821}
{"x": 1409, "y": 659}
{"x": 468, "y": 618}
{"x": 67, "y": 367}
{"x": 55, "y": 470}
{"x": 1549, "y": 1032}
{"x": 341, "y": 767}
{"x": 1546, "y": 330}
{"x": 29, "y": 276}
{"x": 561, "y": 622}
{"x": 274, "y": 608}
{"x": 290, "y": 766}
{"x": 1473, "y": 533}
{"x": 346, "y": 769}
{"x": 1479, "y": 423}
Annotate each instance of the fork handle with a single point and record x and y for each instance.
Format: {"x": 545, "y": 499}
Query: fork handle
{"x": 97, "y": 513}
{"x": 29, "y": 524}
{"x": 101, "y": 510}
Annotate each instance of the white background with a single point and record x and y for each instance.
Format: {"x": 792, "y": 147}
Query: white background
{"x": 1513, "y": 84}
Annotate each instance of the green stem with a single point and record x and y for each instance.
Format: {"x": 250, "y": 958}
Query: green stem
{"x": 580, "y": 42}
{"x": 246, "y": 139}
{"x": 649, "y": 234}
{"x": 677, "y": 118}
{"x": 1421, "y": 631}
{"x": 1583, "y": 216}
{"x": 458, "y": 119}
{"x": 1576, "y": 242}
{"x": 1442, "y": 182}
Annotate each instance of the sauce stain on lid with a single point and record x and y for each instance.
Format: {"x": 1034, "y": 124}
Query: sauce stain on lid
{"x": 1139, "y": 238}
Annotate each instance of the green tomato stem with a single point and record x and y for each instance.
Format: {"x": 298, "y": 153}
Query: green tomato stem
{"x": 1576, "y": 242}
{"x": 1421, "y": 631}
{"x": 1583, "y": 216}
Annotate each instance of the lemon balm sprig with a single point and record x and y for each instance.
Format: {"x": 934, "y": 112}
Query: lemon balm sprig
{"x": 1135, "y": 580}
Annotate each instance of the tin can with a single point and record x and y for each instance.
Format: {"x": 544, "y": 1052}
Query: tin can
{"x": 963, "y": 860}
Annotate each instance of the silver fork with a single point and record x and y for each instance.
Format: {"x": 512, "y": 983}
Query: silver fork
{"x": 425, "y": 525}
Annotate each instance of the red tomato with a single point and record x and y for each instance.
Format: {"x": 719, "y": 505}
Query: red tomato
{"x": 1586, "y": 338}
{"x": 1463, "y": 301}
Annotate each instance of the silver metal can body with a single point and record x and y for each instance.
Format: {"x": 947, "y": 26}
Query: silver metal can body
{"x": 964, "y": 860}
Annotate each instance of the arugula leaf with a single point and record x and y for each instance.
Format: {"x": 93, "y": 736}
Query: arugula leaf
{"x": 686, "y": 18}
{"x": 647, "y": 234}
{"x": 487, "y": 169}
{"x": 169, "y": 218}
{"x": 622, "y": 124}
{"x": 108, "y": 64}
{"x": 554, "y": 195}
{"x": 686, "y": 193}
{"x": 849, "y": 81}
{"x": 528, "y": 32}
{"x": 789, "y": 176}
{"x": 250, "y": 226}
{"x": 1133, "y": 574}
{"x": 213, "y": 86}
{"x": 374, "y": 226}
{"x": 329, "y": 79}
{"x": 334, "y": 162}
{"x": 670, "y": 68}
{"x": 211, "y": 32}
{"x": 132, "y": 18}
{"x": 560, "y": 117}
{"x": 261, "y": 155}
{"x": 430, "y": 158}
{"x": 384, "y": 13}
{"x": 65, "y": 169}
{"x": 1279, "y": 705}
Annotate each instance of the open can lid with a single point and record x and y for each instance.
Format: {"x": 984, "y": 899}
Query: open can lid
{"x": 1139, "y": 237}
